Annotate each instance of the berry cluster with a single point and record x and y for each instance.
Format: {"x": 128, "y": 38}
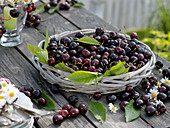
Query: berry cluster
{"x": 151, "y": 106}
{"x": 32, "y": 19}
{"x": 33, "y": 94}
{"x": 2, "y": 31}
{"x": 68, "y": 111}
{"x": 114, "y": 47}
{"x": 62, "y": 5}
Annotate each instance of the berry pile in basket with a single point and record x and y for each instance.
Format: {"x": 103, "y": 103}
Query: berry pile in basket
{"x": 114, "y": 47}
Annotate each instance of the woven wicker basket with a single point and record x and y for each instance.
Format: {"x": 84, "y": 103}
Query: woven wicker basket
{"x": 109, "y": 84}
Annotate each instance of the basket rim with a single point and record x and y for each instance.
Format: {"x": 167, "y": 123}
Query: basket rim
{"x": 149, "y": 64}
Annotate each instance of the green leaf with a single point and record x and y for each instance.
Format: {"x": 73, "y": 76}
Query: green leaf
{"x": 117, "y": 69}
{"x": 39, "y": 9}
{"x": 50, "y": 103}
{"x": 98, "y": 110}
{"x": 63, "y": 67}
{"x": 84, "y": 77}
{"x": 88, "y": 40}
{"x": 79, "y": 4}
{"x": 52, "y": 9}
{"x": 131, "y": 112}
{"x": 39, "y": 52}
{"x": 46, "y": 39}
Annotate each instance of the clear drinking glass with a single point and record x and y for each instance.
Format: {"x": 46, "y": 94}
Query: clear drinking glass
{"x": 12, "y": 25}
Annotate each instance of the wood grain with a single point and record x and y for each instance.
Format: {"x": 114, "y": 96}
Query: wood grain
{"x": 16, "y": 66}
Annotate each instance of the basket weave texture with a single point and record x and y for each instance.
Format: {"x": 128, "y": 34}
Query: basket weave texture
{"x": 109, "y": 84}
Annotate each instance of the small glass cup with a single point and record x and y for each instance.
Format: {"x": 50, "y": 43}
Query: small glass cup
{"x": 13, "y": 25}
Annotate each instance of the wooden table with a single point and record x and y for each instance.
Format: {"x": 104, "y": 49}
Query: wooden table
{"x": 17, "y": 66}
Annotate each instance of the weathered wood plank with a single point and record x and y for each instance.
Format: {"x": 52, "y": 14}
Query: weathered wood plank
{"x": 85, "y": 19}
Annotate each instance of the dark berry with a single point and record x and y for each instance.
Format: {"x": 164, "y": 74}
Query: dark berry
{"x": 150, "y": 110}
{"x": 22, "y": 89}
{"x": 36, "y": 94}
{"x": 47, "y": 7}
{"x": 85, "y": 53}
{"x": 159, "y": 64}
{"x": 145, "y": 98}
{"x": 30, "y": 89}
{"x": 14, "y": 13}
{"x": 64, "y": 113}
{"x": 138, "y": 103}
{"x": 125, "y": 96}
{"x": 57, "y": 119}
{"x": 99, "y": 31}
{"x": 82, "y": 108}
{"x": 122, "y": 104}
{"x": 74, "y": 112}
{"x": 135, "y": 95}
{"x": 162, "y": 89}
{"x": 145, "y": 84}
{"x": 73, "y": 99}
{"x": 29, "y": 9}
{"x": 129, "y": 89}
{"x": 166, "y": 72}
{"x": 134, "y": 35}
{"x": 161, "y": 108}
{"x": 67, "y": 107}
{"x": 27, "y": 93}
{"x": 162, "y": 96}
{"x": 42, "y": 101}
{"x": 111, "y": 98}
{"x": 52, "y": 61}
{"x": 97, "y": 95}
{"x": 79, "y": 35}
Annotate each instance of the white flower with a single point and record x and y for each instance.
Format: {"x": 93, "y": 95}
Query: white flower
{"x": 165, "y": 80}
{"x": 11, "y": 95}
{"x": 112, "y": 108}
{"x": 153, "y": 94}
{"x": 158, "y": 102}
